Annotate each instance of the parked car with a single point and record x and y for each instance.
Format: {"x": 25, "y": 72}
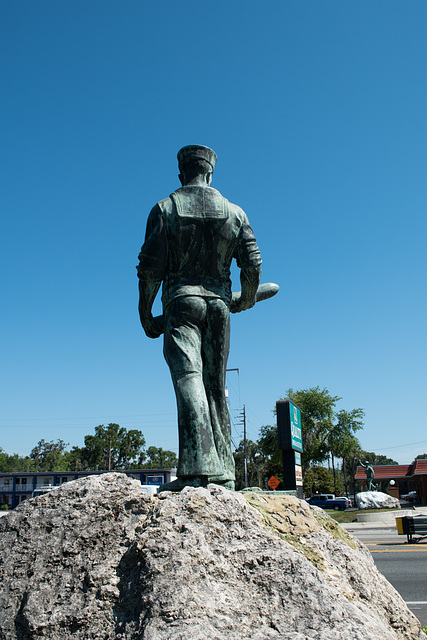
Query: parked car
{"x": 348, "y": 500}
{"x": 329, "y": 501}
{"x": 410, "y": 497}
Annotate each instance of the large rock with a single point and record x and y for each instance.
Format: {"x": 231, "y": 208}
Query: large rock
{"x": 97, "y": 559}
{"x": 376, "y": 500}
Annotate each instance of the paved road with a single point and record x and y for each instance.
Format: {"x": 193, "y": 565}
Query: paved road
{"x": 403, "y": 564}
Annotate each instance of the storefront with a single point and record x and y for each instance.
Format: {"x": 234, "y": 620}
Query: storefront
{"x": 407, "y": 477}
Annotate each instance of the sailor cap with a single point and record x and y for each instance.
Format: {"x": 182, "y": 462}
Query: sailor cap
{"x": 197, "y": 151}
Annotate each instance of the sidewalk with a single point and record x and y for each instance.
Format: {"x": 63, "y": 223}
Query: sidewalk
{"x": 358, "y": 526}
{"x": 382, "y": 519}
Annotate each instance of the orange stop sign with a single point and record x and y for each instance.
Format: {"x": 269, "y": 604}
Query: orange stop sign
{"x": 273, "y": 483}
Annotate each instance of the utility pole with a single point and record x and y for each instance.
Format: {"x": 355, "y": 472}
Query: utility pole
{"x": 245, "y": 450}
{"x": 244, "y": 446}
{"x": 244, "y": 433}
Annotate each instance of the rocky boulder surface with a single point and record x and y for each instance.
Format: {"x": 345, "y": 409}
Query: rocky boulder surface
{"x": 376, "y": 500}
{"x": 96, "y": 559}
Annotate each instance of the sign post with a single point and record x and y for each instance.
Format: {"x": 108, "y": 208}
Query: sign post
{"x": 289, "y": 434}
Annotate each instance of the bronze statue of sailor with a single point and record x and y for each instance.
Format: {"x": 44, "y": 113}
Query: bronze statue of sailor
{"x": 191, "y": 239}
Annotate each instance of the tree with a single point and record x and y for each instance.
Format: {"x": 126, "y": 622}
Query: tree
{"x": 270, "y": 452}
{"x": 422, "y": 456}
{"x": 341, "y": 440}
{"x": 256, "y": 464}
{"x": 159, "y": 458}
{"x": 14, "y": 462}
{"x": 131, "y": 450}
{"x": 375, "y": 458}
{"x": 112, "y": 447}
{"x": 49, "y": 456}
{"x": 84, "y": 458}
{"x": 350, "y": 460}
{"x": 326, "y": 434}
{"x": 4, "y": 460}
{"x": 320, "y": 480}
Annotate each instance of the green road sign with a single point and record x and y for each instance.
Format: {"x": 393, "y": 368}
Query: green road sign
{"x": 288, "y": 426}
{"x": 296, "y": 431}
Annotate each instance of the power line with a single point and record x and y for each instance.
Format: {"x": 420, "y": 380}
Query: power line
{"x": 400, "y": 446}
{"x": 133, "y": 415}
{"x": 135, "y": 421}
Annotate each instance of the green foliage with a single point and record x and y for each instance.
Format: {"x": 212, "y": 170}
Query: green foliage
{"x": 321, "y": 480}
{"x": 49, "y": 456}
{"x": 257, "y": 464}
{"x": 422, "y": 456}
{"x": 270, "y": 452}
{"x": 14, "y": 462}
{"x": 347, "y": 423}
{"x": 349, "y": 466}
{"x": 112, "y": 447}
{"x": 159, "y": 458}
{"x": 341, "y": 440}
{"x": 374, "y": 458}
{"x": 78, "y": 459}
{"x": 326, "y": 434}
{"x": 317, "y": 414}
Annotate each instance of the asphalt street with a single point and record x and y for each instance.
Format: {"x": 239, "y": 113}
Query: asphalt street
{"x": 404, "y": 565}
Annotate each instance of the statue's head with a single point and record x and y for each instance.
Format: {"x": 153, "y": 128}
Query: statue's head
{"x": 196, "y": 162}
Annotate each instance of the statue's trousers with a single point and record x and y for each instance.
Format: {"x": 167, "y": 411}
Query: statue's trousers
{"x": 196, "y": 345}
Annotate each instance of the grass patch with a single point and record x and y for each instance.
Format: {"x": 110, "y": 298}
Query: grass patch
{"x": 351, "y": 516}
{"x": 343, "y": 516}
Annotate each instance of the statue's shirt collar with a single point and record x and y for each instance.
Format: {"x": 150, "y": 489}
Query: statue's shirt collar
{"x": 203, "y": 203}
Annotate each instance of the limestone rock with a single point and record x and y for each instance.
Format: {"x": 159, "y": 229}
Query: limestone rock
{"x": 376, "y": 500}
{"x": 96, "y": 559}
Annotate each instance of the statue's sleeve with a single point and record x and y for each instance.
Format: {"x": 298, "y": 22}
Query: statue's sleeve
{"x": 247, "y": 253}
{"x": 153, "y": 255}
{"x": 248, "y": 258}
{"x": 151, "y": 269}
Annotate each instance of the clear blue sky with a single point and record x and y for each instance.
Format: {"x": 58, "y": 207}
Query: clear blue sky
{"x": 317, "y": 111}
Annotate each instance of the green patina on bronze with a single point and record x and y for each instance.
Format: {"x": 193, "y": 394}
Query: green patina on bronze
{"x": 191, "y": 240}
{"x": 370, "y": 474}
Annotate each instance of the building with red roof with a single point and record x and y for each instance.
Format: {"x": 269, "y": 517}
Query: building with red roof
{"x": 407, "y": 477}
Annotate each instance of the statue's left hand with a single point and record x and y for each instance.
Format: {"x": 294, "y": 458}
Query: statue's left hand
{"x": 240, "y": 304}
{"x": 152, "y": 327}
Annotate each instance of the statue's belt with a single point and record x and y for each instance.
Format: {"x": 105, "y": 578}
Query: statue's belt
{"x": 264, "y": 291}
